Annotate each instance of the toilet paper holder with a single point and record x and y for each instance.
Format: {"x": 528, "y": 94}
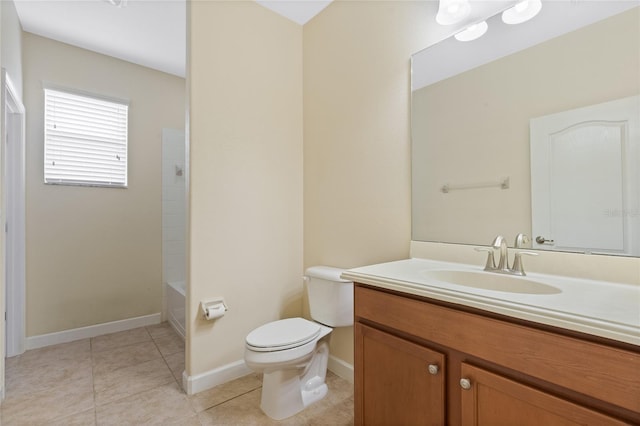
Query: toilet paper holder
{"x": 213, "y": 308}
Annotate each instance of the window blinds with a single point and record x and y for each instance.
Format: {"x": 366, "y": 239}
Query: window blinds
{"x": 85, "y": 140}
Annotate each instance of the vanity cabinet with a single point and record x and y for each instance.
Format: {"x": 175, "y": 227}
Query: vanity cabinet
{"x": 404, "y": 381}
{"x": 493, "y": 399}
{"x": 424, "y": 362}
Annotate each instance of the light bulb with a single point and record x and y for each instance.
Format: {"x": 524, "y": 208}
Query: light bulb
{"x": 472, "y": 32}
{"x": 522, "y": 12}
{"x": 522, "y": 6}
{"x": 452, "y": 11}
{"x": 117, "y": 3}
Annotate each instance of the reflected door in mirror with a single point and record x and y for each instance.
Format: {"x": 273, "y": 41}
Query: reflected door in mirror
{"x": 584, "y": 180}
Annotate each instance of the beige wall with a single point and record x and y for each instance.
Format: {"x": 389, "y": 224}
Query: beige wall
{"x": 357, "y": 198}
{"x": 480, "y": 120}
{"x": 94, "y": 255}
{"x": 11, "y": 45}
{"x": 245, "y": 216}
{"x": 249, "y": 69}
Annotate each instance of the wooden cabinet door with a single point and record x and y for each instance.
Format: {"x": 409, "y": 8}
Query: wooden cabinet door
{"x": 397, "y": 382}
{"x": 493, "y": 400}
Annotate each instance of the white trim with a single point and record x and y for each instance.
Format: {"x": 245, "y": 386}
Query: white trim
{"x": 14, "y": 93}
{"x": 52, "y": 86}
{"x": 215, "y": 377}
{"x": 65, "y": 336}
{"x": 340, "y": 368}
{"x": 13, "y": 220}
{"x": 237, "y": 369}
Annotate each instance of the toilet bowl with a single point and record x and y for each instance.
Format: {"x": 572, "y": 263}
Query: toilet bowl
{"x": 292, "y": 354}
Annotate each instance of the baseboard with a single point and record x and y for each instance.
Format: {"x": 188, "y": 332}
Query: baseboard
{"x": 66, "y": 336}
{"x": 215, "y": 377}
{"x": 340, "y": 368}
{"x": 237, "y": 369}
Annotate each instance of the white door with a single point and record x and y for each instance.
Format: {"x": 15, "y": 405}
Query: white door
{"x": 584, "y": 179}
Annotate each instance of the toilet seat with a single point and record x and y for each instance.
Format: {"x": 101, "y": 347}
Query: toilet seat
{"x": 283, "y": 334}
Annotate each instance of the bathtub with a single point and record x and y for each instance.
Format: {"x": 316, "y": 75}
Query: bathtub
{"x": 176, "y": 304}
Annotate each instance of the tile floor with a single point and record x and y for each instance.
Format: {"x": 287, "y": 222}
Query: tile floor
{"x": 133, "y": 378}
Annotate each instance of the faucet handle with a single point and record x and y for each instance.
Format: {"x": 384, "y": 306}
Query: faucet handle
{"x": 521, "y": 240}
{"x": 491, "y": 263}
{"x": 518, "y": 267}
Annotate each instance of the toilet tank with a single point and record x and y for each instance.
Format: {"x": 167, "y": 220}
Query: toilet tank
{"x": 330, "y": 297}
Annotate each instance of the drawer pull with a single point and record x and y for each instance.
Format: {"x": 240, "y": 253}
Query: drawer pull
{"x": 465, "y": 384}
{"x": 433, "y": 369}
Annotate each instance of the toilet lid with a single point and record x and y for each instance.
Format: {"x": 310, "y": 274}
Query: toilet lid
{"x": 283, "y": 334}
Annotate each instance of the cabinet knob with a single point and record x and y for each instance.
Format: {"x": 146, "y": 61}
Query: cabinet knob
{"x": 465, "y": 384}
{"x": 433, "y": 369}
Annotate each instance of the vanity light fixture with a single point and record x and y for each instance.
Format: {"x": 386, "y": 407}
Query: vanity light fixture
{"x": 117, "y": 3}
{"x": 472, "y": 32}
{"x": 452, "y": 11}
{"x": 521, "y": 12}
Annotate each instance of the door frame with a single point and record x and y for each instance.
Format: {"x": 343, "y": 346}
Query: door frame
{"x": 14, "y": 204}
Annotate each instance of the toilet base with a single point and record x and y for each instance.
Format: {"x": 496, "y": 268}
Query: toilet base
{"x": 309, "y": 397}
{"x": 286, "y": 392}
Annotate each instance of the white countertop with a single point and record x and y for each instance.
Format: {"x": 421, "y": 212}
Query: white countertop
{"x": 605, "y": 309}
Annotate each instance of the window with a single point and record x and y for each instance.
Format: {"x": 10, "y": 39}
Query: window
{"x": 85, "y": 140}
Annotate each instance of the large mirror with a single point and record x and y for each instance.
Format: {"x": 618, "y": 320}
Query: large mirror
{"x": 532, "y": 128}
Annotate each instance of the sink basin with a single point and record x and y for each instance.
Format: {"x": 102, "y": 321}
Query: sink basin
{"x": 490, "y": 281}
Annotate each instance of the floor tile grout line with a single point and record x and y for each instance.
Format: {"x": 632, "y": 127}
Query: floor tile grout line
{"x": 93, "y": 383}
{"x": 131, "y": 365}
{"x": 174, "y": 379}
{"x": 142, "y": 391}
{"x": 122, "y": 346}
{"x": 198, "y": 415}
{"x": 232, "y": 398}
{"x": 170, "y": 331}
{"x": 91, "y": 357}
{"x": 165, "y": 360}
{"x": 130, "y": 396}
{"x": 71, "y": 413}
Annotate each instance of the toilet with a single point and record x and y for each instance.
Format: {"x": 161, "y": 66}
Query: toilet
{"x": 292, "y": 353}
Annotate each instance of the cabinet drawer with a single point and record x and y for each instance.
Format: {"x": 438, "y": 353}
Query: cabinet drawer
{"x": 606, "y": 373}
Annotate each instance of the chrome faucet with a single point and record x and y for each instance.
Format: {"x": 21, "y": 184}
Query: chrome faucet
{"x": 500, "y": 243}
{"x": 518, "y": 268}
{"x": 521, "y": 240}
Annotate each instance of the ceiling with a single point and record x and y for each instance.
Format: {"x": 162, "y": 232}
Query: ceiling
{"x": 299, "y": 11}
{"x": 151, "y": 33}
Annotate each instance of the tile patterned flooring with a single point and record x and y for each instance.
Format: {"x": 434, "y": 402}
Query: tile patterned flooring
{"x": 134, "y": 378}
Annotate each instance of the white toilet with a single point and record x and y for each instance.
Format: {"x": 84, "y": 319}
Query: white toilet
{"x": 293, "y": 353}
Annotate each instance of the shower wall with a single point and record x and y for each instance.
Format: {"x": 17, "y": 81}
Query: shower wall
{"x": 173, "y": 205}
